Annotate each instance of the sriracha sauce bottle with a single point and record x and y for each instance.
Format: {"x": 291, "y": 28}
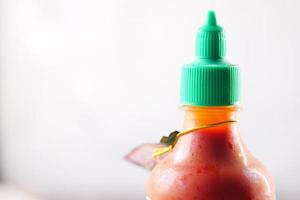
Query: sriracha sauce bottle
{"x": 210, "y": 163}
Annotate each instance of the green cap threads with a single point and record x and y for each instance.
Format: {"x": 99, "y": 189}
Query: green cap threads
{"x": 210, "y": 80}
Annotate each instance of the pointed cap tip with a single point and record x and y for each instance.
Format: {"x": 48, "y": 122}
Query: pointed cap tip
{"x": 211, "y": 18}
{"x": 210, "y": 42}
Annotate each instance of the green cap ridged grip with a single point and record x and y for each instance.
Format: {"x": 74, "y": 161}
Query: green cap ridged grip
{"x": 210, "y": 80}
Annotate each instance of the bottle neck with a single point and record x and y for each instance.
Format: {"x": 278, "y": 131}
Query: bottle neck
{"x": 196, "y": 116}
{"x": 221, "y": 144}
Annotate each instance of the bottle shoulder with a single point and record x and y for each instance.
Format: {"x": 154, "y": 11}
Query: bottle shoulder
{"x": 203, "y": 181}
{"x": 224, "y": 165}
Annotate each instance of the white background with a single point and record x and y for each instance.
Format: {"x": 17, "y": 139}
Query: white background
{"x": 84, "y": 81}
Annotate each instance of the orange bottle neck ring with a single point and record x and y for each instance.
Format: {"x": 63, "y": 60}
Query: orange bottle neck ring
{"x": 196, "y": 116}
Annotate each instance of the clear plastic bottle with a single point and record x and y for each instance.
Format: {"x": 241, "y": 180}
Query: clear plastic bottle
{"x": 211, "y": 163}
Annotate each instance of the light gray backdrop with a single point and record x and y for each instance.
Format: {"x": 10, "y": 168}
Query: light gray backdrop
{"x": 84, "y": 81}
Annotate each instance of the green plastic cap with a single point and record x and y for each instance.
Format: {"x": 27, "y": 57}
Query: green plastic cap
{"x": 210, "y": 80}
